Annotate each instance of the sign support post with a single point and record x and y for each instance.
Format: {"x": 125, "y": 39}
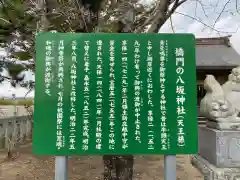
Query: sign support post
{"x": 170, "y": 167}
{"x": 61, "y": 168}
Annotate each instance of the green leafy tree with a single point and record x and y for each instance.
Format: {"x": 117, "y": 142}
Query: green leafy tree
{"x": 16, "y": 29}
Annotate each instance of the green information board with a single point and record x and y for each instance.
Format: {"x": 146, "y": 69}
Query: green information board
{"x": 115, "y": 94}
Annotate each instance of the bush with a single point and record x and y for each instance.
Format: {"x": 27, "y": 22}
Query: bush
{"x": 27, "y": 102}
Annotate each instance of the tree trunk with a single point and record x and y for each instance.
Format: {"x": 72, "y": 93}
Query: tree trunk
{"x": 122, "y": 166}
{"x": 160, "y": 17}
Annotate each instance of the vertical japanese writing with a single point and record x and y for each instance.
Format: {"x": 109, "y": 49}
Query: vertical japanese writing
{"x": 137, "y": 88}
{"x": 180, "y": 99}
{"x": 124, "y": 85}
{"x": 164, "y": 135}
{"x": 86, "y": 97}
{"x": 48, "y": 66}
{"x": 150, "y": 96}
{"x": 73, "y": 77}
{"x": 60, "y": 74}
{"x": 166, "y": 59}
{"x": 115, "y": 95}
{"x": 112, "y": 95}
{"x": 99, "y": 98}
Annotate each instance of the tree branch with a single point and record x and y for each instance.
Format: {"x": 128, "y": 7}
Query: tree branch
{"x": 217, "y": 19}
{"x": 42, "y": 23}
{"x": 152, "y": 11}
{"x": 171, "y": 23}
{"x": 163, "y": 13}
{"x": 160, "y": 16}
{"x": 174, "y": 8}
{"x": 200, "y": 21}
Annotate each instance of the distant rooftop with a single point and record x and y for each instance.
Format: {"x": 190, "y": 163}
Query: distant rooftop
{"x": 216, "y": 53}
{"x": 214, "y": 41}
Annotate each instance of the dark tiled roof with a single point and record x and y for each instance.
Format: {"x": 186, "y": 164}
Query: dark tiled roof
{"x": 216, "y": 53}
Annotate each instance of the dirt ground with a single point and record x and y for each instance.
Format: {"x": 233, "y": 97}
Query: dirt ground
{"x": 25, "y": 166}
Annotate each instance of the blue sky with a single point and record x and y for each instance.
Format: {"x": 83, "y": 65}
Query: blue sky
{"x": 207, "y": 12}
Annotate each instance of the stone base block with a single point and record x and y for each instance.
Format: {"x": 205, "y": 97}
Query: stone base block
{"x": 220, "y": 148}
{"x": 224, "y": 125}
{"x": 211, "y": 172}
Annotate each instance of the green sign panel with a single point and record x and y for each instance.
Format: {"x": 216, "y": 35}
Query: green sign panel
{"x": 115, "y": 94}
